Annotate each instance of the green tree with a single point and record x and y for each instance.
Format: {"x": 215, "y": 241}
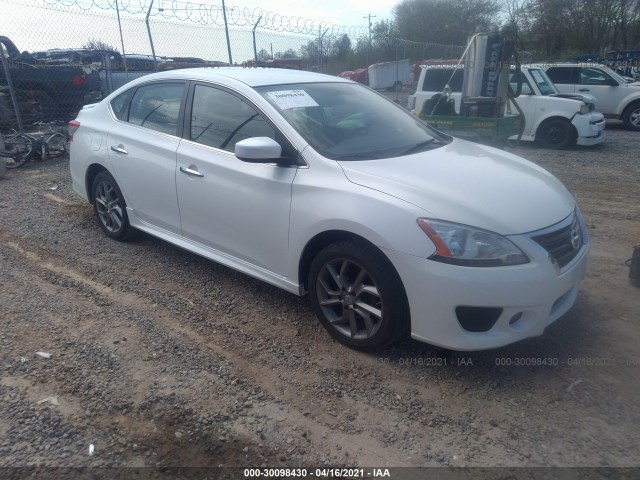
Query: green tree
{"x": 444, "y": 22}
{"x": 341, "y": 47}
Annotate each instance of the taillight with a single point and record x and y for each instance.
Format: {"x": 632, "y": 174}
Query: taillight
{"x": 79, "y": 80}
{"x": 74, "y": 125}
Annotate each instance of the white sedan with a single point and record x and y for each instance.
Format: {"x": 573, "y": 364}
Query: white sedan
{"x": 321, "y": 186}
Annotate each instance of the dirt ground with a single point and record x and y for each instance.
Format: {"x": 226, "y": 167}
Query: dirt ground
{"x": 160, "y": 358}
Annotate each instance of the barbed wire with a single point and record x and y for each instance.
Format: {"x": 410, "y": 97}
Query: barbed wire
{"x": 207, "y": 14}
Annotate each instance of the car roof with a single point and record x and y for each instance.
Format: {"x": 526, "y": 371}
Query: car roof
{"x": 253, "y": 77}
{"x": 567, "y": 64}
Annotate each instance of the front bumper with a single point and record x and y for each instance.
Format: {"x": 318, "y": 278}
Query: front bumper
{"x": 590, "y": 128}
{"x": 530, "y": 296}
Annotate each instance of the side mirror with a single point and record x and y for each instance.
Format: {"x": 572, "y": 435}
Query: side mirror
{"x": 258, "y": 150}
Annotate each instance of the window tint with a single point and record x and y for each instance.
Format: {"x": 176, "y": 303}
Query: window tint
{"x": 220, "y": 119}
{"x": 436, "y": 78}
{"x": 593, "y": 76}
{"x": 120, "y": 104}
{"x": 157, "y": 107}
{"x": 561, "y": 75}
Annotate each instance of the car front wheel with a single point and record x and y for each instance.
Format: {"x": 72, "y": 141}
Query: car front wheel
{"x": 358, "y": 296}
{"x": 109, "y": 207}
{"x": 556, "y": 133}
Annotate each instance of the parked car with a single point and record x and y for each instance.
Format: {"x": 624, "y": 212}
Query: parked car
{"x": 616, "y": 96}
{"x": 358, "y": 75}
{"x": 552, "y": 119}
{"x": 321, "y": 186}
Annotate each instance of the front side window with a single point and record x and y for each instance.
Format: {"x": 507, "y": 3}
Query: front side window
{"x": 517, "y": 76}
{"x": 593, "y": 76}
{"x": 157, "y": 107}
{"x": 219, "y": 119}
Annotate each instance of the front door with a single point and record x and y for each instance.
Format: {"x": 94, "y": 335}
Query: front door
{"x": 238, "y": 208}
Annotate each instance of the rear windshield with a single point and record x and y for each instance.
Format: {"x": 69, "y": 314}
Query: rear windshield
{"x": 436, "y": 78}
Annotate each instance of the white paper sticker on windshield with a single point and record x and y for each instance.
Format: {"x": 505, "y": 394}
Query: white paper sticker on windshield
{"x": 536, "y": 76}
{"x": 286, "y": 99}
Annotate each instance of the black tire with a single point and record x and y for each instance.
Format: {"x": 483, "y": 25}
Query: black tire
{"x": 397, "y": 86}
{"x": 631, "y": 117}
{"x": 556, "y": 133}
{"x": 18, "y": 149}
{"x": 109, "y": 207}
{"x": 358, "y": 296}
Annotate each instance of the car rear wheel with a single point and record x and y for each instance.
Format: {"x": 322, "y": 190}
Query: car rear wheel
{"x": 110, "y": 207}
{"x": 631, "y": 117}
{"x": 358, "y": 296}
{"x": 556, "y": 133}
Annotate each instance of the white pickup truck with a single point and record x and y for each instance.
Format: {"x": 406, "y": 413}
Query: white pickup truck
{"x": 552, "y": 119}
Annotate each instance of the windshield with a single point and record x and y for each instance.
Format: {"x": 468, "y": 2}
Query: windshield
{"x": 346, "y": 121}
{"x": 545, "y": 85}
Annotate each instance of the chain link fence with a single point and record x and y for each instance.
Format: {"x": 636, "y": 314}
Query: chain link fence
{"x": 58, "y": 55}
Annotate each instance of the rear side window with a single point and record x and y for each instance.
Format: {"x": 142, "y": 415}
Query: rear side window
{"x": 157, "y": 107}
{"x": 120, "y": 104}
{"x": 562, "y": 75}
{"x": 436, "y": 78}
{"x": 219, "y": 119}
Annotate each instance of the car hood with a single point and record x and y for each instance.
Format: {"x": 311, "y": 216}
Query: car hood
{"x": 581, "y": 97}
{"x": 472, "y": 184}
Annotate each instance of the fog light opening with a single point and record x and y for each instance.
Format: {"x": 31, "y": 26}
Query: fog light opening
{"x": 478, "y": 319}
{"x": 515, "y": 319}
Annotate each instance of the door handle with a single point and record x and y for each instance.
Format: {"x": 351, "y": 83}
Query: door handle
{"x": 119, "y": 149}
{"x": 584, "y": 90}
{"x": 191, "y": 171}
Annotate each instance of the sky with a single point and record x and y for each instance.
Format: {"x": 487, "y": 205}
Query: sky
{"x": 36, "y": 25}
{"x": 340, "y": 12}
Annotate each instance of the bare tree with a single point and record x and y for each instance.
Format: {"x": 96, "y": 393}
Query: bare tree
{"x": 94, "y": 44}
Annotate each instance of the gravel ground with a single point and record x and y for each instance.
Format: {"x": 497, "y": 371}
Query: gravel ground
{"x": 160, "y": 358}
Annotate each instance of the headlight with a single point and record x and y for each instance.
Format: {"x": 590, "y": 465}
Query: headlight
{"x": 471, "y": 247}
{"x": 584, "y": 109}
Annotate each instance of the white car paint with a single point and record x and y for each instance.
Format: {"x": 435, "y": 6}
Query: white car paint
{"x": 258, "y": 218}
{"x": 615, "y": 97}
{"x": 535, "y": 105}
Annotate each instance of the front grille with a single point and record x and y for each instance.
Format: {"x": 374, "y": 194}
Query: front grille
{"x": 564, "y": 243}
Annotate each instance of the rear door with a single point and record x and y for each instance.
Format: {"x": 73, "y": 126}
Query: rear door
{"x": 564, "y": 78}
{"x": 142, "y": 149}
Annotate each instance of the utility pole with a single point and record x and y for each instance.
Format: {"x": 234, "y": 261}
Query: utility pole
{"x": 368, "y": 17}
{"x": 320, "y": 37}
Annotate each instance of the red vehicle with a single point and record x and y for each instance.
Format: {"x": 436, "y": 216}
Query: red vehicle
{"x": 359, "y": 75}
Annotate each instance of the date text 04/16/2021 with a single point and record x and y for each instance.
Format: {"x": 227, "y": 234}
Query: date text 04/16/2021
{"x": 317, "y": 473}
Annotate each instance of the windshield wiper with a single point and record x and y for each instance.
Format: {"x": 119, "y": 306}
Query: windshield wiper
{"x": 418, "y": 146}
{"x": 361, "y": 156}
